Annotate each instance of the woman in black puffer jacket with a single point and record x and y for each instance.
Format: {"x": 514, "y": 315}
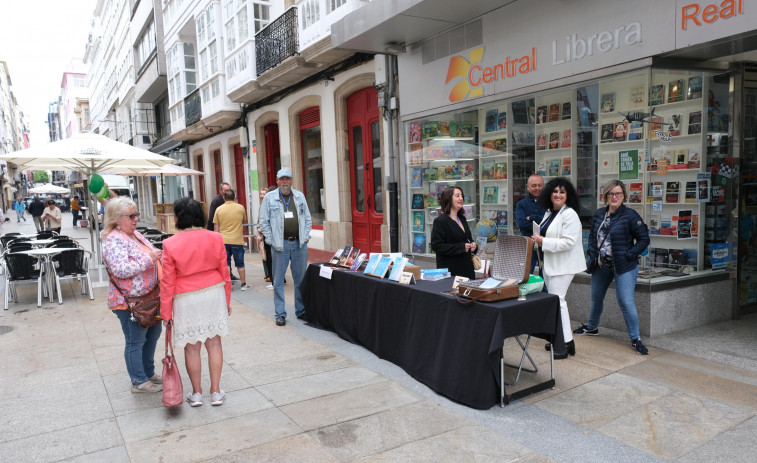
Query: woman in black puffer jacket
{"x": 618, "y": 236}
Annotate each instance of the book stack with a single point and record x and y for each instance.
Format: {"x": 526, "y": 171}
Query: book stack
{"x": 435, "y": 274}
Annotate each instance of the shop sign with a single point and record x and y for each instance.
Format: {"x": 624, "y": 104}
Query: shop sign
{"x": 475, "y": 74}
{"x": 703, "y": 21}
{"x": 628, "y": 165}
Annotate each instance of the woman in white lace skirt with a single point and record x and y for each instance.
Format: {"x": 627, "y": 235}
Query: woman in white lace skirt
{"x": 195, "y": 292}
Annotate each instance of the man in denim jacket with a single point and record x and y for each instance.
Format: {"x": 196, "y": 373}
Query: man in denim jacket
{"x": 285, "y": 222}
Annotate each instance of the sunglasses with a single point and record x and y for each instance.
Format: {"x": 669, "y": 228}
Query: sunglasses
{"x": 132, "y": 216}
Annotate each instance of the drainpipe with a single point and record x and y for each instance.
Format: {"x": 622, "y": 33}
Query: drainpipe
{"x": 391, "y": 181}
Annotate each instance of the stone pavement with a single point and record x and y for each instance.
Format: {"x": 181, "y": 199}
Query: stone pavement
{"x": 301, "y": 394}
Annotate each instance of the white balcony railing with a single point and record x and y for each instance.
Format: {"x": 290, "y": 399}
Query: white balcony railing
{"x": 240, "y": 66}
{"x": 315, "y": 20}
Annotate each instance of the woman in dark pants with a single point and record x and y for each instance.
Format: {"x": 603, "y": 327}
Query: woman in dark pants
{"x": 451, "y": 238}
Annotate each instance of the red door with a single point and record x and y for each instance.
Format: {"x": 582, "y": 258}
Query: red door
{"x": 365, "y": 169}
{"x": 272, "y": 151}
{"x": 218, "y": 169}
{"x": 240, "y": 176}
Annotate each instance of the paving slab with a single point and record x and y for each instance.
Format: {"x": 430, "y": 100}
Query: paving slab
{"x": 159, "y": 421}
{"x": 387, "y": 430}
{"x": 470, "y": 443}
{"x": 62, "y": 444}
{"x": 319, "y": 384}
{"x": 603, "y": 400}
{"x": 214, "y": 439}
{"x": 111, "y": 455}
{"x": 349, "y": 405}
{"x": 734, "y": 446}
{"x": 317, "y": 362}
{"x": 296, "y": 449}
{"x": 675, "y": 424}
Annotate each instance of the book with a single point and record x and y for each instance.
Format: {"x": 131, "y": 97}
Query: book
{"x": 566, "y": 134}
{"x": 671, "y": 192}
{"x": 541, "y": 114}
{"x": 607, "y": 163}
{"x": 430, "y": 129}
{"x": 500, "y": 171}
{"x": 453, "y": 129}
{"x": 682, "y": 158}
{"x": 675, "y": 91}
{"x": 382, "y": 266}
{"x": 520, "y": 112}
{"x": 444, "y": 128}
{"x": 690, "y": 257}
{"x": 693, "y": 158}
{"x": 566, "y": 111}
{"x": 371, "y": 265}
{"x": 501, "y": 219}
{"x": 398, "y": 266}
{"x": 430, "y": 200}
{"x": 521, "y": 137}
{"x": 690, "y": 195}
{"x": 655, "y": 125}
{"x": 554, "y": 112}
{"x": 554, "y": 168}
{"x": 620, "y": 131}
{"x": 565, "y": 166}
{"x": 417, "y": 201}
{"x": 675, "y": 125}
{"x": 419, "y": 221}
{"x": 694, "y": 90}
{"x": 358, "y": 262}
{"x": 501, "y": 121}
{"x": 419, "y": 243}
{"x": 654, "y": 224}
{"x": 554, "y": 140}
{"x": 465, "y": 130}
{"x": 345, "y": 255}
{"x": 416, "y": 155}
{"x": 354, "y": 254}
{"x": 541, "y": 168}
{"x": 490, "y": 194}
{"x": 415, "y": 181}
{"x": 491, "y": 120}
{"x": 337, "y": 255}
{"x": 607, "y": 133}
{"x": 675, "y": 258}
{"x": 637, "y": 97}
{"x": 487, "y": 169}
{"x": 656, "y": 94}
{"x": 635, "y": 191}
{"x": 431, "y": 174}
{"x": 415, "y": 135}
{"x": 541, "y": 142}
{"x": 635, "y": 131}
{"x": 695, "y": 122}
{"x": 607, "y": 103}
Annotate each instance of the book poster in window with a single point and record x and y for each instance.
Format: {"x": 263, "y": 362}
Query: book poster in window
{"x": 684, "y": 224}
{"x": 419, "y": 221}
{"x": 703, "y": 187}
{"x": 628, "y": 165}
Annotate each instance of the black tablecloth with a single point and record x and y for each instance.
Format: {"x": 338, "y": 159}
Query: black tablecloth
{"x": 451, "y": 348}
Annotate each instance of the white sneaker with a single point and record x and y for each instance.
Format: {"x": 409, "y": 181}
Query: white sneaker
{"x": 244, "y": 287}
{"x": 195, "y": 400}
{"x": 217, "y": 398}
{"x": 269, "y": 287}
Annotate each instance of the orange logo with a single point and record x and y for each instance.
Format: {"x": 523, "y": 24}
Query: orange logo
{"x": 459, "y": 67}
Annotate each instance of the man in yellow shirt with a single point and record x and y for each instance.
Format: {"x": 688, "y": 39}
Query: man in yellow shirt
{"x": 228, "y": 220}
{"x": 75, "y": 209}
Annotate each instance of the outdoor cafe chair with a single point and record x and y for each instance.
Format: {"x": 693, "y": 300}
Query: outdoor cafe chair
{"x": 141, "y": 229}
{"x": 73, "y": 264}
{"x": 47, "y": 234}
{"x": 8, "y": 237}
{"x": 63, "y": 244}
{"x": 19, "y": 268}
{"x": 16, "y": 246}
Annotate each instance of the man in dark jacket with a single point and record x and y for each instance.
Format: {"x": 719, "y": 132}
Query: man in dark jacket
{"x": 36, "y": 208}
{"x": 528, "y": 212}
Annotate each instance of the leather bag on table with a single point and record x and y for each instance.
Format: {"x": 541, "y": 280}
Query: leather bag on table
{"x": 144, "y": 309}
{"x": 173, "y": 389}
{"x": 512, "y": 262}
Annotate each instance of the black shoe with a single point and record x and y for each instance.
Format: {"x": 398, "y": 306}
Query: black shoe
{"x": 570, "y": 349}
{"x": 583, "y": 329}
{"x": 233, "y": 277}
{"x": 640, "y": 348}
{"x": 301, "y": 316}
{"x": 281, "y": 321}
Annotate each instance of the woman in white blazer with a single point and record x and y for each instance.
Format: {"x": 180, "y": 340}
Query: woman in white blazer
{"x": 560, "y": 242}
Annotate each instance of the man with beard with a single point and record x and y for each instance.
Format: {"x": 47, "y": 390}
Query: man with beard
{"x": 286, "y": 224}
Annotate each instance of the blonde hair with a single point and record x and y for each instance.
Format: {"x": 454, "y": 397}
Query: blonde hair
{"x": 113, "y": 211}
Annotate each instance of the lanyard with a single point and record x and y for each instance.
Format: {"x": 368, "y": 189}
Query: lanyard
{"x": 286, "y": 202}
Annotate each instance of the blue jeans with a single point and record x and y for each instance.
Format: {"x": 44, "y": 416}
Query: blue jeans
{"x": 139, "y": 352}
{"x": 625, "y": 283}
{"x": 237, "y": 251}
{"x": 291, "y": 251}
{"x": 76, "y": 216}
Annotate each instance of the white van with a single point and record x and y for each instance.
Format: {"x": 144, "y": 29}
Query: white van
{"x": 119, "y": 184}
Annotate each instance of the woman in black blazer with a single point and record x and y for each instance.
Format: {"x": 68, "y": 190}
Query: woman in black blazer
{"x": 451, "y": 238}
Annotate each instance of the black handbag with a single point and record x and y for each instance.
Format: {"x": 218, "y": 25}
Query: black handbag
{"x": 145, "y": 309}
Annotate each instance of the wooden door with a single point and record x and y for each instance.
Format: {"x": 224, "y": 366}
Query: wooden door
{"x": 365, "y": 169}
{"x": 240, "y": 177}
{"x": 272, "y": 151}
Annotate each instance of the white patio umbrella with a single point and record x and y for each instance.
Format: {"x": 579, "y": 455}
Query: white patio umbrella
{"x": 169, "y": 170}
{"x": 89, "y": 154}
{"x": 49, "y": 189}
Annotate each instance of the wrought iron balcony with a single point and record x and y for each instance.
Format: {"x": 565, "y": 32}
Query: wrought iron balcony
{"x": 192, "y": 108}
{"x": 277, "y": 41}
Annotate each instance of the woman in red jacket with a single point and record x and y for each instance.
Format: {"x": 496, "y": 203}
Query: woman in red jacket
{"x": 195, "y": 292}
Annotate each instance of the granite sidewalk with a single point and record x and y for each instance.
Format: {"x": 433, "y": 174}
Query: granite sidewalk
{"x": 300, "y": 394}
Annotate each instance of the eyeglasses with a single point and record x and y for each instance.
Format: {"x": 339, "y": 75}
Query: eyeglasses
{"x": 132, "y": 216}
{"x": 614, "y": 195}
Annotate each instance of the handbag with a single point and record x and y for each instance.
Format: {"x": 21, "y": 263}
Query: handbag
{"x": 145, "y": 309}
{"x": 476, "y": 262}
{"x": 173, "y": 389}
{"x": 512, "y": 262}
